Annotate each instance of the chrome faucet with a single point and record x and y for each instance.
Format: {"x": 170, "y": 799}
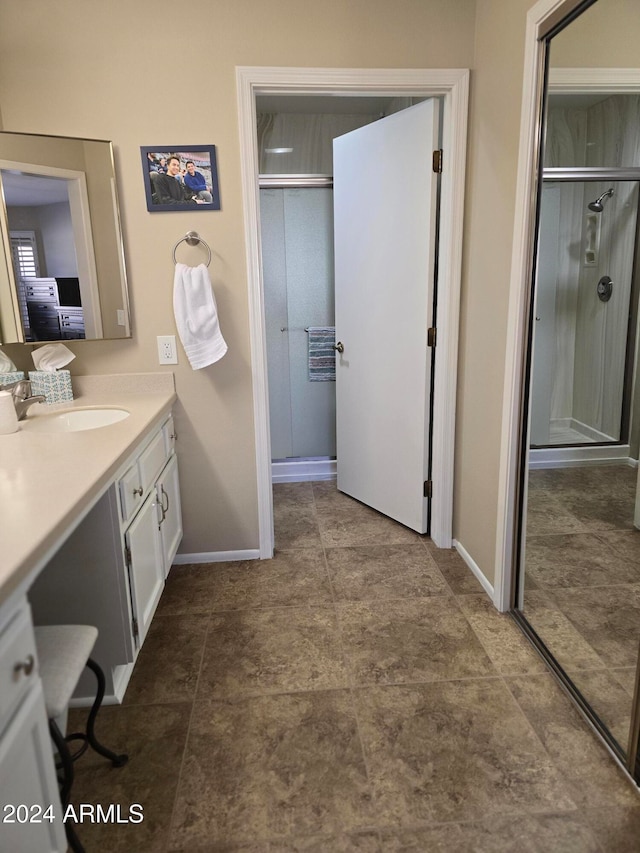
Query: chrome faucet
{"x": 22, "y": 396}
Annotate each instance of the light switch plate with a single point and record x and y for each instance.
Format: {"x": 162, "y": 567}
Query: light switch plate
{"x": 167, "y": 352}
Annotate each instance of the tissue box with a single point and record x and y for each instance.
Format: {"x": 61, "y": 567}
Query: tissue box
{"x": 7, "y": 378}
{"x": 55, "y": 386}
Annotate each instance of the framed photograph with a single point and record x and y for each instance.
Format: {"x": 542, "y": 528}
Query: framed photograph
{"x": 180, "y": 177}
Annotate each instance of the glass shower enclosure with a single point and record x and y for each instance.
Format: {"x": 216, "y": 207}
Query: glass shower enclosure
{"x": 297, "y": 248}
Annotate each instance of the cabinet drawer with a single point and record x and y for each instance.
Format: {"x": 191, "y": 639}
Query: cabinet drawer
{"x": 170, "y": 436}
{"x": 131, "y": 491}
{"x": 151, "y": 461}
{"x": 18, "y": 664}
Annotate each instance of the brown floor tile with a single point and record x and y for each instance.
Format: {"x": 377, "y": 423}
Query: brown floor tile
{"x": 361, "y": 842}
{"x": 559, "y": 634}
{"x": 384, "y": 571}
{"x": 608, "y": 618}
{"x": 625, "y": 543}
{"x": 274, "y": 650}
{"x": 189, "y": 589}
{"x": 169, "y": 662}
{"x": 294, "y": 515}
{"x": 524, "y": 833}
{"x": 455, "y": 571}
{"x": 617, "y": 830}
{"x": 469, "y": 745}
{"x": 504, "y": 642}
{"x": 273, "y": 766}
{"x": 547, "y": 514}
{"x": 296, "y": 577}
{"x": 427, "y": 639}
{"x": 454, "y": 751}
{"x": 154, "y": 738}
{"x": 608, "y": 698}
{"x": 576, "y": 560}
{"x": 595, "y": 779}
{"x": 345, "y": 522}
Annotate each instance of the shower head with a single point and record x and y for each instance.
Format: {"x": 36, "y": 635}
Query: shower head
{"x": 598, "y": 205}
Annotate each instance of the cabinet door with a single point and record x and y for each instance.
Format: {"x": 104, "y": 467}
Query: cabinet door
{"x": 27, "y": 778}
{"x": 146, "y": 565}
{"x": 171, "y": 521}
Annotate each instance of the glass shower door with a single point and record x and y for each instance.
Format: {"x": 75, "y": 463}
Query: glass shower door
{"x": 582, "y": 352}
{"x": 297, "y": 246}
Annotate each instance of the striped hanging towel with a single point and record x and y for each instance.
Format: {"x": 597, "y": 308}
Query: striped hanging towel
{"x": 322, "y": 356}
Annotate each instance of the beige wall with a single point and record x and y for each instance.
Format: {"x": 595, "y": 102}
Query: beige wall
{"x": 496, "y": 95}
{"x": 149, "y": 73}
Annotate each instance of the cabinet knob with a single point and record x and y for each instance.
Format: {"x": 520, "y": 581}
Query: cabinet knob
{"x": 25, "y": 665}
{"x": 173, "y": 436}
{"x": 138, "y": 491}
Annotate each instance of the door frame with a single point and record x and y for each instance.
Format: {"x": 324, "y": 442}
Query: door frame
{"x": 452, "y": 84}
{"x": 541, "y": 19}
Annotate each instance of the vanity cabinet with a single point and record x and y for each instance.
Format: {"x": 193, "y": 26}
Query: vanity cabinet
{"x": 111, "y": 571}
{"x": 151, "y": 524}
{"x": 31, "y": 816}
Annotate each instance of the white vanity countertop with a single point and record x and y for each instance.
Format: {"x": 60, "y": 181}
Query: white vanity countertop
{"x": 49, "y": 481}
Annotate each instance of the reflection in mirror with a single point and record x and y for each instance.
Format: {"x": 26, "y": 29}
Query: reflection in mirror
{"x": 61, "y": 232}
{"x": 579, "y": 566}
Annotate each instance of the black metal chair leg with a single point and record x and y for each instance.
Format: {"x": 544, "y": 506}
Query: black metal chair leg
{"x": 66, "y": 762}
{"x": 72, "y": 838}
{"x": 116, "y": 760}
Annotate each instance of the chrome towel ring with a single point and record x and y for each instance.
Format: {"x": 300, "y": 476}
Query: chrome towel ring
{"x": 192, "y": 238}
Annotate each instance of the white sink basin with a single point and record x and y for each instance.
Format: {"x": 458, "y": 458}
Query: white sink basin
{"x": 73, "y": 420}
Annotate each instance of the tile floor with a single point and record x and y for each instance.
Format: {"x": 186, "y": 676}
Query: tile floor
{"x": 582, "y": 582}
{"x": 356, "y": 693}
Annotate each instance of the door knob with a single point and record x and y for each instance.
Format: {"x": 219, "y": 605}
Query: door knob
{"x": 339, "y": 347}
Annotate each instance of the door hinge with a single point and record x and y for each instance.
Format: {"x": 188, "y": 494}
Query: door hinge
{"x": 127, "y": 556}
{"x": 428, "y": 489}
{"x": 134, "y": 625}
{"x": 431, "y": 336}
{"x": 437, "y": 160}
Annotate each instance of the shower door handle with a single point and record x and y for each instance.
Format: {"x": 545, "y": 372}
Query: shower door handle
{"x": 339, "y": 347}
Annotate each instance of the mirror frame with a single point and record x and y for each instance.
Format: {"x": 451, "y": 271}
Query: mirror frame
{"x": 542, "y": 19}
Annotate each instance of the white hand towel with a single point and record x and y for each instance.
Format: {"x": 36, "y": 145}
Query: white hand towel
{"x": 194, "y": 306}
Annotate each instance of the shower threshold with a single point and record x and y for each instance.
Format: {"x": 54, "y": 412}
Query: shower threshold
{"x": 300, "y": 469}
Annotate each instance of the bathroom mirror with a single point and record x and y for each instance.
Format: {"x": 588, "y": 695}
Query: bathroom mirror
{"x": 62, "y": 274}
{"x": 578, "y": 581}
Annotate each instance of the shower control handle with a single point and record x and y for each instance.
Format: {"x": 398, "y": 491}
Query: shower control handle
{"x": 339, "y": 347}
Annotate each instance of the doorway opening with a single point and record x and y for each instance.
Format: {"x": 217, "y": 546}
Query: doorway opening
{"x": 295, "y": 138}
{"x": 452, "y": 85}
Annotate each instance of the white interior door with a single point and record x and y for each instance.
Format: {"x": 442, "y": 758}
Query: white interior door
{"x": 384, "y": 225}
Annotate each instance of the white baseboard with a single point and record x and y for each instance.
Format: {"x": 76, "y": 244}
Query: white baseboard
{"x": 216, "y": 557}
{"x": 475, "y": 568}
{"x": 303, "y": 470}
{"x": 568, "y": 457}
